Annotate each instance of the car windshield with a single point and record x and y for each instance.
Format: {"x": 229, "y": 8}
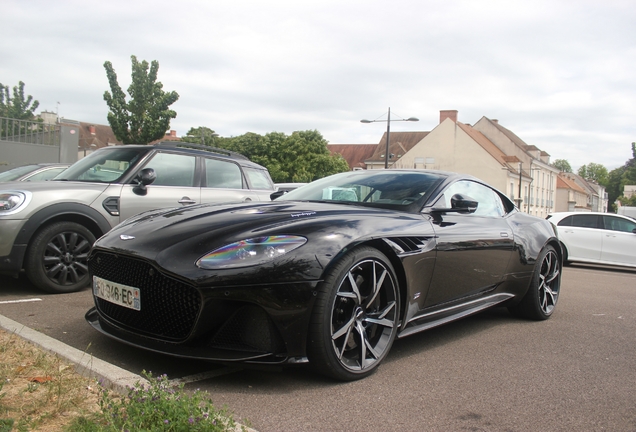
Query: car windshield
{"x": 16, "y": 173}
{"x": 103, "y": 166}
{"x": 400, "y": 190}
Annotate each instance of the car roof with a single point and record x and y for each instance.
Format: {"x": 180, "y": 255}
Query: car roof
{"x": 562, "y": 215}
{"x": 194, "y": 149}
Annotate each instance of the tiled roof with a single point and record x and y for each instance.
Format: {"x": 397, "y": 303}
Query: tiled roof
{"x": 102, "y": 137}
{"x": 354, "y": 154}
{"x": 401, "y": 142}
{"x": 565, "y": 183}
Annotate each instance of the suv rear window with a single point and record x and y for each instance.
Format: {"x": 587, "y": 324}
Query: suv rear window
{"x": 259, "y": 179}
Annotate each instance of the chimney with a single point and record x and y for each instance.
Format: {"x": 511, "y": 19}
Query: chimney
{"x": 173, "y": 133}
{"x": 451, "y": 114}
{"x": 495, "y": 121}
{"x": 91, "y": 129}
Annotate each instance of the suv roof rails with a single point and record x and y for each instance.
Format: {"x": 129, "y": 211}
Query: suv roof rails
{"x": 220, "y": 151}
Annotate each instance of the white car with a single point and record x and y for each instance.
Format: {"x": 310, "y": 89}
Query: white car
{"x": 598, "y": 238}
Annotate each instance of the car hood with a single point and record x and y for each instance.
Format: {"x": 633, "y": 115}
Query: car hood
{"x": 174, "y": 239}
{"x": 53, "y": 185}
{"x": 46, "y": 193}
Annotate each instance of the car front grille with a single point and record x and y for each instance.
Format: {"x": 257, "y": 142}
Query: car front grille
{"x": 169, "y": 308}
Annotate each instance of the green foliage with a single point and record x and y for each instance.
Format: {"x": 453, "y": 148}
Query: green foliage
{"x": 300, "y": 157}
{"x": 563, "y": 165}
{"x": 158, "y": 407}
{"x": 146, "y": 116}
{"x": 17, "y": 107}
{"x": 596, "y": 172}
{"x": 621, "y": 176}
{"x": 630, "y": 202}
{"x": 201, "y": 135}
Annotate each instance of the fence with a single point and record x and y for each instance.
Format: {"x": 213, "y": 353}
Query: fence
{"x": 29, "y": 132}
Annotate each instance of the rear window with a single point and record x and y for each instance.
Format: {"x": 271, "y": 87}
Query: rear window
{"x": 258, "y": 178}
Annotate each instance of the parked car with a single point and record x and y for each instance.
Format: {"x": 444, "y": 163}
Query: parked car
{"x": 597, "y": 238}
{"x": 330, "y": 273}
{"x": 34, "y": 172}
{"x": 47, "y": 228}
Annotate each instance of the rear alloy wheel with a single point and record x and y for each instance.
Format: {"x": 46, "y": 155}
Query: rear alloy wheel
{"x": 543, "y": 293}
{"x": 57, "y": 259}
{"x": 355, "y": 319}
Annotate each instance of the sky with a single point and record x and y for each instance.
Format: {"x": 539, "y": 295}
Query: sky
{"x": 558, "y": 73}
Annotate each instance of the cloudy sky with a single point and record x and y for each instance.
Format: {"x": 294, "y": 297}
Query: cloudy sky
{"x": 561, "y": 74}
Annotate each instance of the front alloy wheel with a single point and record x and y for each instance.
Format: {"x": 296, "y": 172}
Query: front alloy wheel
{"x": 356, "y": 317}
{"x": 57, "y": 260}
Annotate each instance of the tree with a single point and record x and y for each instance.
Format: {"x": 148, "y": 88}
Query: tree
{"x": 621, "y": 176}
{"x": 301, "y": 157}
{"x": 594, "y": 171}
{"x": 17, "y": 107}
{"x": 201, "y": 135}
{"x": 146, "y": 117}
{"x": 563, "y": 165}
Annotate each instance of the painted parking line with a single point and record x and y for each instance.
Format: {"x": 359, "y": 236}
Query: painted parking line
{"x": 206, "y": 375}
{"x": 20, "y": 301}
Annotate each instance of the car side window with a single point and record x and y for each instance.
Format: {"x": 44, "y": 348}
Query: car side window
{"x": 618, "y": 224}
{"x": 585, "y": 221}
{"x": 489, "y": 202}
{"x": 259, "y": 179}
{"x": 173, "y": 169}
{"x": 222, "y": 174}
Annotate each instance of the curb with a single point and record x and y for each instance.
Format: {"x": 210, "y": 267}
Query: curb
{"x": 111, "y": 376}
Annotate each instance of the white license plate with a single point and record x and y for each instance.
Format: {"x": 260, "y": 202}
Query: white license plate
{"x": 122, "y": 295}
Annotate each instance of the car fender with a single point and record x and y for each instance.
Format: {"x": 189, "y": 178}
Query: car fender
{"x": 88, "y": 216}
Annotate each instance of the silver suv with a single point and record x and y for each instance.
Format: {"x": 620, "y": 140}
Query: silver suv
{"x": 48, "y": 228}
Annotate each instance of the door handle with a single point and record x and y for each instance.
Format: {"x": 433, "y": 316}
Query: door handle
{"x": 186, "y": 201}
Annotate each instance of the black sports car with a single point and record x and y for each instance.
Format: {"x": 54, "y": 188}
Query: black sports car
{"x": 330, "y": 273}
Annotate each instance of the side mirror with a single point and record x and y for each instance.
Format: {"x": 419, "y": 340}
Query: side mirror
{"x": 278, "y": 193}
{"x": 459, "y": 204}
{"x": 145, "y": 177}
{"x": 463, "y": 203}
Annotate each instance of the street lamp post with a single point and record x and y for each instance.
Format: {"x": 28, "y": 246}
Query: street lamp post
{"x": 388, "y": 132}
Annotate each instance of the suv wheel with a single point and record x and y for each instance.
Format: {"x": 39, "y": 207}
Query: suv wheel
{"x": 57, "y": 259}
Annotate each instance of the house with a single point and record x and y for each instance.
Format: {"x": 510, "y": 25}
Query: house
{"x": 490, "y": 152}
{"x": 354, "y": 154}
{"x": 92, "y": 137}
{"x": 570, "y": 196}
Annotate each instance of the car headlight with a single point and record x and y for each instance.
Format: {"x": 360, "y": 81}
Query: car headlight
{"x": 250, "y": 252}
{"x": 13, "y": 201}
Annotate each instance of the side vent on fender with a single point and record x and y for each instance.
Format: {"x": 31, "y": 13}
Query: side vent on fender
{"x": 408, "y": 245}
{"x": 111, "y": 205}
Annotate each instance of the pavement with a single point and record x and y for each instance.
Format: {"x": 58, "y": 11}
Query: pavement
{"x": 111, "y": 376}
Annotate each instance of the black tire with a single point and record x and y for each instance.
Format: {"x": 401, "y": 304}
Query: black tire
{"x": 543, "y": 293}
{"x": 565, "y": 255}
{"x": 57, "y": 258}
{"x": 355, "y": 318}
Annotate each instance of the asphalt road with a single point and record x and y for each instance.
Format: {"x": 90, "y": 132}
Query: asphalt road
{"x": 489, "y": 372}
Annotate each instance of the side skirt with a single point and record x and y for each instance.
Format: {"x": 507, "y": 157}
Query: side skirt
{"x": 436, "y": 318}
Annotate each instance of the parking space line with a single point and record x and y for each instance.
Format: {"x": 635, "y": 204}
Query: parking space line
{"x": 206, "y": 375}
{"x": 20, "y": 301}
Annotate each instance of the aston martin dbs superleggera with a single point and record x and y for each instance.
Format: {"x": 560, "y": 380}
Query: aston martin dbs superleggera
{"x": 330, "y": 273}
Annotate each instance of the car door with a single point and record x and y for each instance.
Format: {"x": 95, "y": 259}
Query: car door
{"x": 582, "y": 236}
{"x": 176, "y": 185}
{"x": 473, "y": 250}
{"x": 224, "y": 182}
{"x": 619, "y": 241}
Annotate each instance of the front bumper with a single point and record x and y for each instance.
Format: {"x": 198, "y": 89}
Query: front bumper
{"x": 11, "y": 255}
{"x": 258, "y": 323}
